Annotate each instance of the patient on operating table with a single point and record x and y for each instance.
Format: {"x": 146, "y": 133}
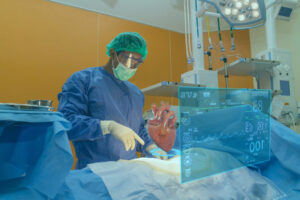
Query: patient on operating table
{"x": 151, "y": 178}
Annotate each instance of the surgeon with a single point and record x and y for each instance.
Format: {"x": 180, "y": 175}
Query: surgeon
{"x": 105, "y": 109}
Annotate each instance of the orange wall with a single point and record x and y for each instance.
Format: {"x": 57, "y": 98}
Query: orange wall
{"x": 43, "y": 43}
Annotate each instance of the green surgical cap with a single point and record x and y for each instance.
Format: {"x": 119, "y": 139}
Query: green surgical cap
{"x": 128, "y": 41}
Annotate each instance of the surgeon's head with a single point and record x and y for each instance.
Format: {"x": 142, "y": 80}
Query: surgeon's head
{"x": 127, "y": 51}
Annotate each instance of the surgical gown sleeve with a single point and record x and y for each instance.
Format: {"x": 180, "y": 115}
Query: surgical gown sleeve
{"x": 73, "y": 103}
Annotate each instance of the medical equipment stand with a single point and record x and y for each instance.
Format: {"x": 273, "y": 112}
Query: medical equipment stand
{"x": 208, "y": 53}
{"x": 224, "y": 59}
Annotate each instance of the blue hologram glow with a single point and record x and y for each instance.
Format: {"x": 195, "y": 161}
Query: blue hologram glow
{"x": 222, "y": 130}
{"x": 170, "y": 154}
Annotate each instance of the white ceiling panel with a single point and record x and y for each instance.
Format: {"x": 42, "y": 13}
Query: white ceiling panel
{"x": 165, "y": 14}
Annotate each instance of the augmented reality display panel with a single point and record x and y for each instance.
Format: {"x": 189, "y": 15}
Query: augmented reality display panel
{"x": 222, "y": 130}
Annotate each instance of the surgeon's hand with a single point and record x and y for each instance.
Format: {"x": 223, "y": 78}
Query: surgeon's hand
{"x": 157, "y": 152}
{"x": 126, "y": 135}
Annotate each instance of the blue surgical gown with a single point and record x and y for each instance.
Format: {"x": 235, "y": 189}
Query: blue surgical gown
{"x": 94, "y": 94}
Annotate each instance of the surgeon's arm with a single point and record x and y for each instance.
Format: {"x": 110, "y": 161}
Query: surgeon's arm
{"x": 145, "y": 136}
{"x": 73, "y": 103}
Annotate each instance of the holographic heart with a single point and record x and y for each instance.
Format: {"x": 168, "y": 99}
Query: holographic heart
{"x": 162, "y": 127}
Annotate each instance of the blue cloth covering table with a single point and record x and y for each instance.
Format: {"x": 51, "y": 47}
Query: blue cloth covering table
{"x": 35, "y": 155}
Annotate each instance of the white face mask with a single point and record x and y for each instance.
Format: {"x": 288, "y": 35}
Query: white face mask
{"x": 123, "y": 73}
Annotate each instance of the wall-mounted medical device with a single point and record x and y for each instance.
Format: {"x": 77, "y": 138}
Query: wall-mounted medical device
{"x": 285, "y": 9}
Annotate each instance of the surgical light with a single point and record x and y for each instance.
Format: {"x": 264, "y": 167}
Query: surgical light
{"x": 241, "y": 17}
{"x": 241, "y": 14}
{"x": 254, "y": 5}
{"x": 255, "y": 13}
{"x": 227, "y": 11}
{"x": 238, "y": 4}
{"x": 246, "y": 2}
{"x": 234, "y": 11}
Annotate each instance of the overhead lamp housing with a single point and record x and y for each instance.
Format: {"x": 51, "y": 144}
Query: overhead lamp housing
{"x": 241, "y": 14}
